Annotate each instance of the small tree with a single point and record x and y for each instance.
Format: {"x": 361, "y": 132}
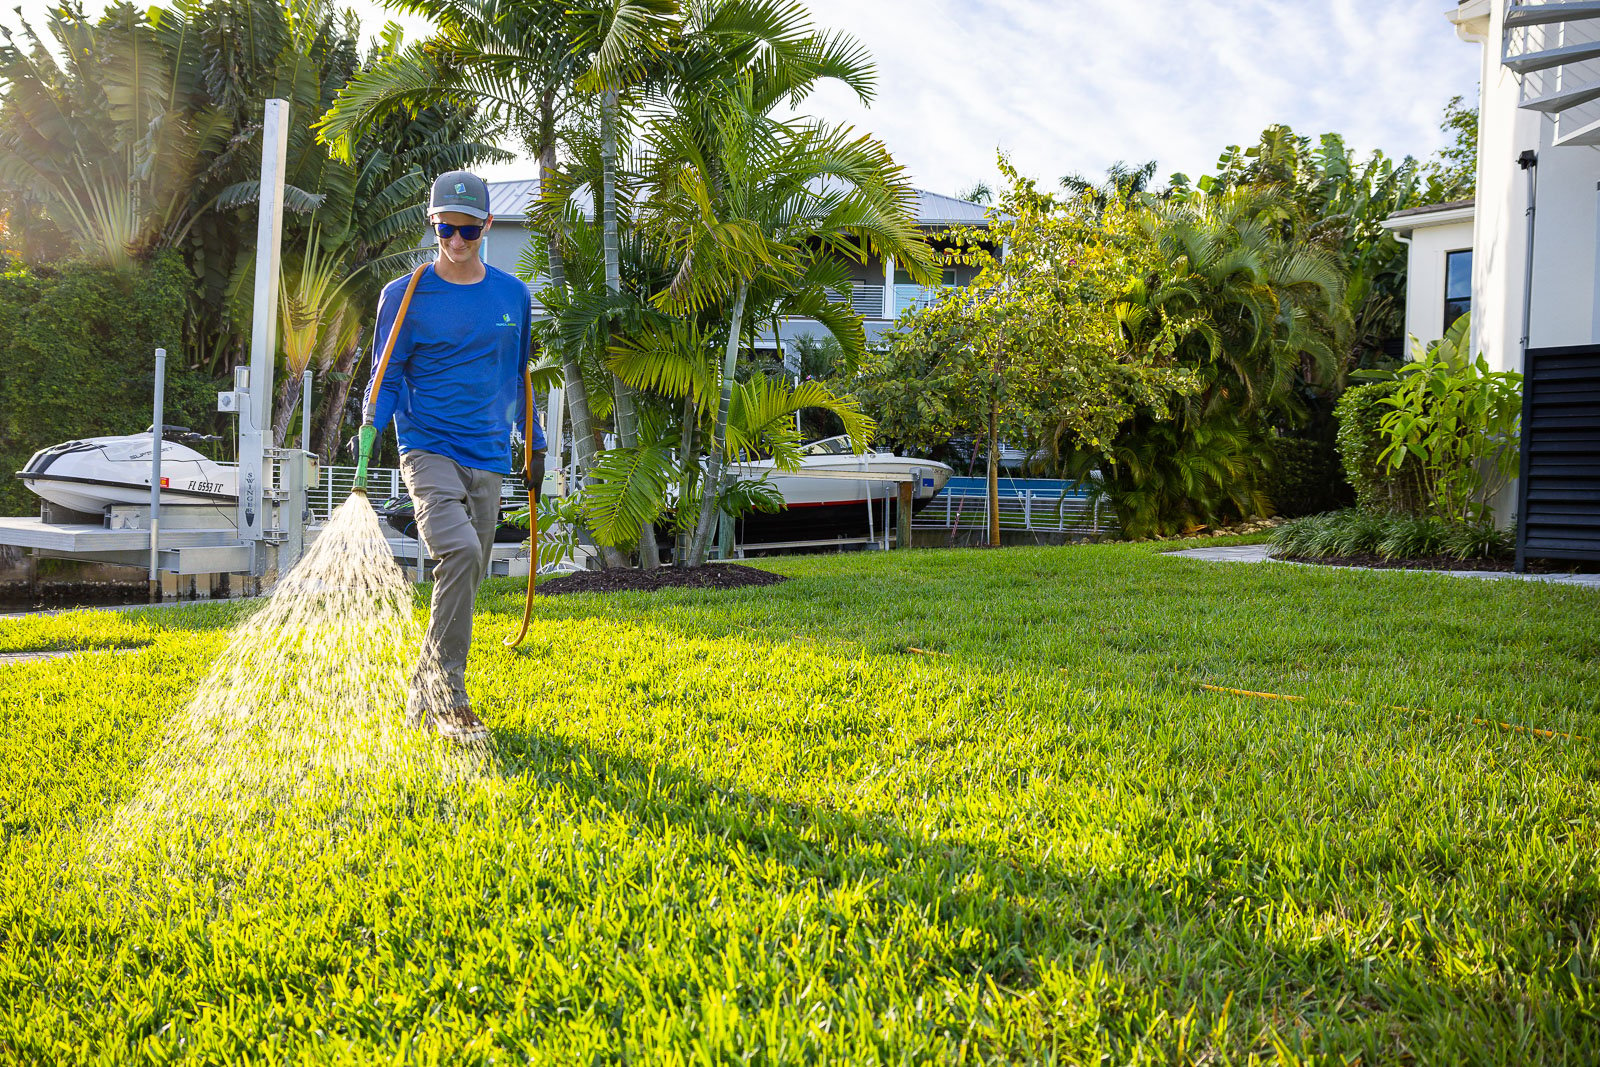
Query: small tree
{"x": 1034, "y": 350}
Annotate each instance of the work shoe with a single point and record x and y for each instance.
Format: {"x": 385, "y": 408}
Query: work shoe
{"x": 459, "y": 724}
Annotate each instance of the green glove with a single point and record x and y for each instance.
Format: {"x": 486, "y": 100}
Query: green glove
{"x": 369, "y": 434}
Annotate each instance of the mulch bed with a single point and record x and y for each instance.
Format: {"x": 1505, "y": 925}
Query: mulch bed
{"x": 1428, "y": 563}
{"x": 711, "y": 576}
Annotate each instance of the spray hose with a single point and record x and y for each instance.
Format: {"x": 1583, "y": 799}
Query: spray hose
{"x": 369, "y": 432}
{"x": 533, "y": 509}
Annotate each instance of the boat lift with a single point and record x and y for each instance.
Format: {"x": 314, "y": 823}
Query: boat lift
{"x": 265, "y": 534}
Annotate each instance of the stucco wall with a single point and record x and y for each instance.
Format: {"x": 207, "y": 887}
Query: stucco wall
{"x": 1425, "y": 279}
{"x": 504, "y": 242}
{"x": 1565, "y": 238}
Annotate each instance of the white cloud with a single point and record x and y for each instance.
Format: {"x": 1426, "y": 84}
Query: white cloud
{"x": 1074, "y": 85}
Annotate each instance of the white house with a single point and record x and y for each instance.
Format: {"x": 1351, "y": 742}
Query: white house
{"x": 1539, "y": 93}
{"x": 1438, "y": 265}
{"x": 1534, "y": 255}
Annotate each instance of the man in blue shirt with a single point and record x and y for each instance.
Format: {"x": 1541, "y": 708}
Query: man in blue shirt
{"x": 454, "y": 387}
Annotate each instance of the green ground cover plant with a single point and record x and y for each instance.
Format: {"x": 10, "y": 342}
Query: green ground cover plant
{"x": 749, "y": 826}
{"x": 1392, "y": 536}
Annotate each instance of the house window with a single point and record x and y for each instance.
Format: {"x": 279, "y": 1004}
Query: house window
{"x": 1457, "y": 285}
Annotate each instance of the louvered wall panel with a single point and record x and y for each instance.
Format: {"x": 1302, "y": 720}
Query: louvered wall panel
{"x": 1559, "y": 492}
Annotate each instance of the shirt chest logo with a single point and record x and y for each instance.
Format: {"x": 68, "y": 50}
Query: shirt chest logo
{"x": 505, "y": 320}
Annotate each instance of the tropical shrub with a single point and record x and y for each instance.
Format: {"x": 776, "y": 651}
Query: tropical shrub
{"x": 1457, "y": 425}
{"x": 1254, "y": 316}
{"x": 79, "y": 359}
{"x": 1354, "y": 532}
{"x": 1438, "y": 435}
{"x": 1168, "y": 477}
{"x": 1377, "y": 488}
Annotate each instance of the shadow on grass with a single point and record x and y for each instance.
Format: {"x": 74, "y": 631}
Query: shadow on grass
{"x": 1098, "y": 959}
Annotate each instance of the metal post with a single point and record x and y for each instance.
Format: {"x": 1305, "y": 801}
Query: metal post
{"x": 294, "y": 465}
{"x": 871, "y": 537}
{"x": 555, "y": 427}
{"x": 155, "y": 475}
{"x": 1529, "y": 162}
{"x": 255, "y": 414}
{"x": 903, "y": 534}
{"x": 305, "y": 411}
{"x": 1594, "y": 329}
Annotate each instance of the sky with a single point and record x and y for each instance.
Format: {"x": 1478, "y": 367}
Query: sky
{"x": 1072, "y": 86}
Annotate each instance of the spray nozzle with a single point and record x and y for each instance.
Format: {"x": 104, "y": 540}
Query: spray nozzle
{"x": 369, "y": 434}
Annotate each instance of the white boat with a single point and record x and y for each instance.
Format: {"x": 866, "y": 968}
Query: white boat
{"x": 822, "y": 502}
{"x": 95, "y": 473}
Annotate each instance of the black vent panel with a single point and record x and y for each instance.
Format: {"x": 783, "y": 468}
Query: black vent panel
{"x": 1559, "y": 493}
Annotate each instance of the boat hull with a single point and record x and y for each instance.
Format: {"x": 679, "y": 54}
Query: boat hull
{"x": 91, "y": 475}
{"x": 823, "y": 504}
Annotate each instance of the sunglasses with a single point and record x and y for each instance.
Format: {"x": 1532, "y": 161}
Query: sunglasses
{"x": 446, "y": 230}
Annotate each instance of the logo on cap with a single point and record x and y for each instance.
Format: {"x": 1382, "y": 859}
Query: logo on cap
{"x": 460, "y": 187}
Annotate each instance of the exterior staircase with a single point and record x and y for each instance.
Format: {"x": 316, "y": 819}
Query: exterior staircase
{"x": 1553, "y": 46}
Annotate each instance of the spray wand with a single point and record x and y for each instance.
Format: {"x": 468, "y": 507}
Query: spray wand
{"x": 369, "y": 432}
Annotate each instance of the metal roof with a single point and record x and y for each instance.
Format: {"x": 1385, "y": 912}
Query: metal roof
{"x": 509, "y": 200}
{"x": 935, "y": 209}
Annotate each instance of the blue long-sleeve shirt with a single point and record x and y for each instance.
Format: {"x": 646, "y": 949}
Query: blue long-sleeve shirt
{"x": 454, "y": 384}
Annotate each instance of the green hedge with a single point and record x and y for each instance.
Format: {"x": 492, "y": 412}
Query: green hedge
{"x": 1305, "y": 478}
{"x": 77, "y": 359}
{"x": 1376, "y": 488}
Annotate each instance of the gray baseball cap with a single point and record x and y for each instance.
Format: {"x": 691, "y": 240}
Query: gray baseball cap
{"x": 460, "y": 190}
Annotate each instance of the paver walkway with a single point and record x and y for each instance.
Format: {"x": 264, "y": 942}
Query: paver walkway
{"x": 1261, "y": 554}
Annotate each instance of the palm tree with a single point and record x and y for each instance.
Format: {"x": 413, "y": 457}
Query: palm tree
{"x": 1258, "y": 314}
{"x": 622, "y": 37}
{"x": 1123, "y": 185}
{"x": 518, "y": 64}
{"x": 1266, "y": 309}
{"x": 745, "y": 199}
{"x": 109, "y": 141}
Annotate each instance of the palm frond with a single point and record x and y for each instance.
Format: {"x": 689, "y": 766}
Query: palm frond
{"x": 627, "y": 491}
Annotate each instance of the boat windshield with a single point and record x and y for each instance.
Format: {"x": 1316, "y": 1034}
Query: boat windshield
{"x": 829, "y": 446}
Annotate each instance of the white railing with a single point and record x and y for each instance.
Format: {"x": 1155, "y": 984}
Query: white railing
{"x": 334, "y": 485}
{"x": 1031, "y": 510}
{"x": 914, "y": 297}
{"x": 867, "y": 300}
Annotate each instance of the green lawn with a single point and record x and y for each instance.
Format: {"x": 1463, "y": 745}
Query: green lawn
{"x": 748, "y": 826}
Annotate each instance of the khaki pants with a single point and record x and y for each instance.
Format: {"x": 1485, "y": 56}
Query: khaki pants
{"x": 457, "y": 508}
